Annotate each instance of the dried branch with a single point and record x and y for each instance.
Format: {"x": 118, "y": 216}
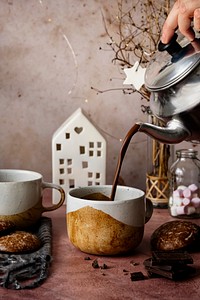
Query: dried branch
{"x": 139, "y": 25}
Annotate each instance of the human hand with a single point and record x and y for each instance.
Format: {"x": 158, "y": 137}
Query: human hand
{"x": 181, "y": 16}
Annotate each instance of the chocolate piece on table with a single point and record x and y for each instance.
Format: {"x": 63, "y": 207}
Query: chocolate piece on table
{"x": 151, "y": 263}
{"x": 175, "y": 274}
{"x": 171, "y": 264}
{"x": 171, "y": 258}
{"x": 136, "y": 276}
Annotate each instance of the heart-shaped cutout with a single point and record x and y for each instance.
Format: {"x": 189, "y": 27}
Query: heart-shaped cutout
{"x": 78, "y": 129}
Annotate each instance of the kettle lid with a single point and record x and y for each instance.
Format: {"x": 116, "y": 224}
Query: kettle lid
{"x": 174, "y": 62}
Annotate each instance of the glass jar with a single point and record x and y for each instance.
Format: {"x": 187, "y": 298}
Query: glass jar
{"x": 184, "y": 201}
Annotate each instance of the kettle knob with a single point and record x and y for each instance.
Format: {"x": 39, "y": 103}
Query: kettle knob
{"x": 173, "y": 48}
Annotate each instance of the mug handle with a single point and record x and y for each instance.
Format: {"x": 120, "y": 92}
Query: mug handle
{"x": 149, "y": 210}
{"x": 62, "y": 195}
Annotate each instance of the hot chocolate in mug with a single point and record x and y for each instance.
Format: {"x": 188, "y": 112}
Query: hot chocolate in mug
{"x": 106, "y": 227}
{"x": 21, "y": 196}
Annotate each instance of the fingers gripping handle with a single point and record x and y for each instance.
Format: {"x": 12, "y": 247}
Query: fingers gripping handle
{"x": 173, "y": 48}
{"x": 62, "y": 196}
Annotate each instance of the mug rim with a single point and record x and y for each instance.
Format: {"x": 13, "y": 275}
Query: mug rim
{"x": 105, "y": 202}
{"x": 15, "y": 172}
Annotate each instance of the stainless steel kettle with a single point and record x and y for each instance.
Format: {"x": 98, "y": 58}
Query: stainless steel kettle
{"x": 173, "y": 78}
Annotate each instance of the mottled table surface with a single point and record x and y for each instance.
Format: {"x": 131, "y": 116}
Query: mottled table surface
{"x": 73, "y": 277}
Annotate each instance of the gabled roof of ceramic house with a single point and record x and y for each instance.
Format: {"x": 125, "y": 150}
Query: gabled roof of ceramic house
{"x": 78, "y": 117}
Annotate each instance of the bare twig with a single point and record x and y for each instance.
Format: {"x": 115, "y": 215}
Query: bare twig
{"x": 139, "y": 28}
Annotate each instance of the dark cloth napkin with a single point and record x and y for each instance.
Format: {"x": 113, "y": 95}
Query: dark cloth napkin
{"x": 27, "y": 271}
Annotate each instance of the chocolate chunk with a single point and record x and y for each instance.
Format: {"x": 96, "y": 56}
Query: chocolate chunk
{"x": 87, "y": 258}
{"x": 171, "y": 264}
{"x": 171, "y": 258}
{"x": 95, "y": 264}
{"x": 174, "y": 274}
{"x": 151, "y": 263}
{"x": 104, "y": 266}
{"x": 136, "y": 276}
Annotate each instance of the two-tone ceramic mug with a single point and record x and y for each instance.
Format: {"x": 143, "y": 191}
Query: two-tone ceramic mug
{"x": 21, "y": 196}
{"x": 107, "y": 227}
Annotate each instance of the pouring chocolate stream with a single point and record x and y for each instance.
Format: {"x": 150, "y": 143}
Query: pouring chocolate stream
{"x": 122, "y": 153}
{"x": 126, "y": 141}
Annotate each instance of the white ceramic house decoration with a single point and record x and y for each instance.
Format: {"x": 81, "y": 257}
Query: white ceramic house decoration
{"x": 78, "y": 154}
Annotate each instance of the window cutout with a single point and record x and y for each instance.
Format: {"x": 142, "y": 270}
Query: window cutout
{"x": 61, "y": 181}
{"x": 97, "y": 175}
{"x": 62, "y": 171}
{"x": 98, "y": 153}
{"x": 61, "y": 161}
{"x": 91, "y": 144}
{"x": 97, "y": 183}
{"x": 89, "y": 182}
{"x": 91, "y": 153}
{"x": 71, "y": 183}
{"x": 67, "y": 135}
{"x": 89, "y": 174}
{"x": 98, "y": 144}
{"x": 84, "y": 164}
{"x": 58, "y": 147}
{"x": 82, "y": 150}
{"x": 69, "y": 162}
{"x": 69, "y": 170}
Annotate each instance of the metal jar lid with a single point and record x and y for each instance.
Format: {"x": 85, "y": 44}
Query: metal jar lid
{"x": 174, "y": 62}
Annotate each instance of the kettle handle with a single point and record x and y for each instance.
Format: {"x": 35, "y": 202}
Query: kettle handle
{"x": 172, "y": 47}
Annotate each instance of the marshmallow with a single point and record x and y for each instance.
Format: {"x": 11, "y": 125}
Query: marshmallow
{"x": 186, "y": 201}
{"x": 195, "y": 202}
{"x": 178, "y": 193}
{"x": 173, "y": 211}
{"x": 177, "y": 201}
{"x": 193, "y": 187}
{"x": 181, "y": 187}
{"x": 190, "y": 210}
{"x": 187, "y": 193}
{"x": 181, "y": 210}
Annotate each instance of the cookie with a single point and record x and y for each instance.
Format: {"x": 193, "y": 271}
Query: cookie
{"x": 6, "y": 227}
{"x": 19, "y": 242}
{"x": 176, "y": 235}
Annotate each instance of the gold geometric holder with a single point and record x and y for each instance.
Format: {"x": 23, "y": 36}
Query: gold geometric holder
{"x": 157, "y": 189}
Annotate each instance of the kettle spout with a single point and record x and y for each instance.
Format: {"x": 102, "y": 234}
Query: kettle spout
{"x": 173, "y": 133}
